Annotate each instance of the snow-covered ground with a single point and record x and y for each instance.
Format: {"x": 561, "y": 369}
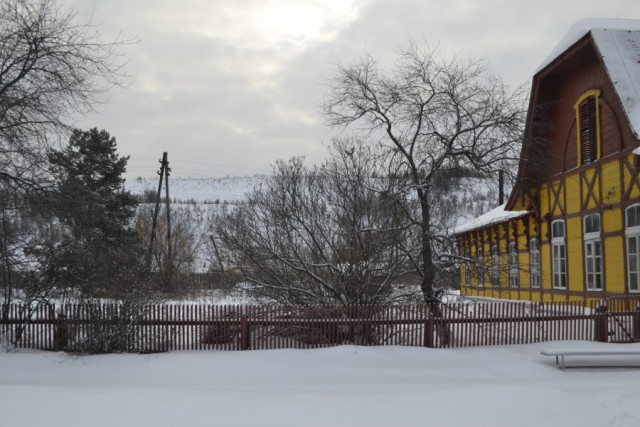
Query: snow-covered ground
{"x": 342, "y": 386}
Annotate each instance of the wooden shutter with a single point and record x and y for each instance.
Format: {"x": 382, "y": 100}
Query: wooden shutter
{"x": 588, "y": 131}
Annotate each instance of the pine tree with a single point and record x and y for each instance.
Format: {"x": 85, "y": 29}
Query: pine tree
{"x": 99, "y": 253}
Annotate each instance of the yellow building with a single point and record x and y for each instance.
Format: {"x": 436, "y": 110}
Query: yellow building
{"x": 571, "y": 227}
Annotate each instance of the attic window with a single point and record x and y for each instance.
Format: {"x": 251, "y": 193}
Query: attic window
{"x": 587, "y": 117}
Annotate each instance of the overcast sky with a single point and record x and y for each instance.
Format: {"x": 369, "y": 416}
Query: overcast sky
{"x": 230, "y": 86}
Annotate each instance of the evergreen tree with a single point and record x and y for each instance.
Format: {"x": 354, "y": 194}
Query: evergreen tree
{"x": 89, "y": 176}
{"x": 99, "y": 254}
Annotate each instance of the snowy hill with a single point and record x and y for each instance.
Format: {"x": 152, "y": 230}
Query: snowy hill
{"x": 465, "y": 199}
{"x": 198, "y": 190}
{"x": 195, "y": 201}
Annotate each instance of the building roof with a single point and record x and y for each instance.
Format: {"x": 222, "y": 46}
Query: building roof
{"x": 494, "y": 216}
{"x": 618, "y": 43}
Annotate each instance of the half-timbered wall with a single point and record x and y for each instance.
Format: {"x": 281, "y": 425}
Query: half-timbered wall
{"x": 568, "y": 190}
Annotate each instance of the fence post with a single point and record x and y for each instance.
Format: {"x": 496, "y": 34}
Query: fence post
{"x": 60, "y": 333}
{"x": 245, "y": 332}
{"x": 601, "y": 325}
{"x": 429, "y": 332}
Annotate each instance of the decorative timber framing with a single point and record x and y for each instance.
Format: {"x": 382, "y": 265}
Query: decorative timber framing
{"x": 581, "y": 130}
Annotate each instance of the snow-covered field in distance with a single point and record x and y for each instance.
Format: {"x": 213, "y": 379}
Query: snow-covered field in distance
{"x": 350, "y": 386}
{"x": 200, "y": 190}
{"x": 198, "y": 199}
{"x": 470, "y": 198}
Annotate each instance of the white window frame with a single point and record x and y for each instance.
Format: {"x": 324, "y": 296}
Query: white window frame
{"x": 480, "y": 268}
{"x": 534, "y": 263}
{"x": 514, "y": 267}
{"x": 467, "y": 269}
{"x": 495, "y": 267}
{"x": 559, "y": 255}
{"x": 592, "y": 253}
{"x": 632, "y": 233}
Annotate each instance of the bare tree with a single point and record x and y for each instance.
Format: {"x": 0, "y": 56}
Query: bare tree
{"x": 51, "y": 66}
{"x": 434, "y": 112}
{"x": 176, "y": 265}
{"x": 322, "y": 235}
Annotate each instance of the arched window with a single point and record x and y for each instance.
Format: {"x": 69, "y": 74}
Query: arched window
{"x": 534, "y": 263}
{"x": 632, "y": 236}
{"x": 559, "y": 254}
{"x": 592, "y": 252}
{"x": 588, "y": 120}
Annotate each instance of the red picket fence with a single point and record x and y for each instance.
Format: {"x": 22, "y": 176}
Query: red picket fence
{"x": 158, "y": 328}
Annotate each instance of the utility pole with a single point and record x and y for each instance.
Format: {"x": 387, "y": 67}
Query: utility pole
{"x": 168, "y": 202}
{"x": 164, "y": 173}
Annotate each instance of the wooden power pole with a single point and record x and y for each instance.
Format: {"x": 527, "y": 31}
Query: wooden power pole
{"x": 164, "y": 173}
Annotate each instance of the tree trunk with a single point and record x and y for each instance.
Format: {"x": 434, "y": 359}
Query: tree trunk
{"x": 429, "y": 270}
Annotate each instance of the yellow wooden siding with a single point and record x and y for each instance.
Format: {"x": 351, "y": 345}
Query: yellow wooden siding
{"x": 574, "y": 191}
{"x": 614, "y": 264}
{"x": 610, "y": 176}
{"x": 573, "y": 240}
{"x": 612, "y": 221}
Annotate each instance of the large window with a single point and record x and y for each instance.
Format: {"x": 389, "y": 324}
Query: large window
{"x": 559, "y": 254}
{"x": 467, "y": 269}
{"x": 514, "y": 274}
{"x": 534, "y": 263}
{"x": 495, "y": 266}
{"x": 632, "y": 223}
{"x": 592, "y": 252}
{"x": 480, "y": 268}
{"x": 587, "y": 117}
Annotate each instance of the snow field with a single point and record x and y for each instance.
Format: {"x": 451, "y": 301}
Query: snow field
{"x": 340, "y": 386}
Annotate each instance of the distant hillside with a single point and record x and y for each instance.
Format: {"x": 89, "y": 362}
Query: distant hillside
{"x": 466, "y": 198}
{"x": 194, "y": 201}
{"x": 198, "y": 190}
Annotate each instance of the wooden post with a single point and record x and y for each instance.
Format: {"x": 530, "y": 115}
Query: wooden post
{"x": 601, "y": 326}
{"x": 245, "y": 331}
{"x": 60, "y": 334}
{"x": 429, "y": 332}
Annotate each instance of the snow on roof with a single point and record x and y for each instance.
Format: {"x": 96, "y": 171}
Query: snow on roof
{"x": 584, "y": 26}
{"x": 618, "y": 42}
{"x": 620, "y": 52}
{"x": 494, "y": 216}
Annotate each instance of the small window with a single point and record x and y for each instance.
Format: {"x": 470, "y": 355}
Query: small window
{"x": 534, "y": 263}
{"x": 592, "y": 224}
{"x": 633, "y": 216}
{"x": 557, "y": 229}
